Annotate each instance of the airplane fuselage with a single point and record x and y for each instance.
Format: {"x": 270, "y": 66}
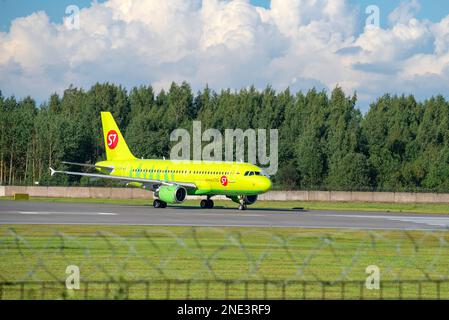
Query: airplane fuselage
{"x": 210, "y": 177}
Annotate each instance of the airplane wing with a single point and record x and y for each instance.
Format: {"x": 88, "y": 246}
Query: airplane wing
{"x": 146, "y": 182}
{"x": 110, "y": 169}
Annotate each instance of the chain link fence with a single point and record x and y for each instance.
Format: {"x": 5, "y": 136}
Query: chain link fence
{"x": 220, "y": 289}
{"x": 221, "y": 263}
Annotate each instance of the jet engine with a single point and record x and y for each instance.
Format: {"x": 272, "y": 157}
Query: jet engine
{"x": 171, "y": 194}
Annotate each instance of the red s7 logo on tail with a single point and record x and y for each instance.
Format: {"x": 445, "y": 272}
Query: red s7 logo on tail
{"x": 112, "y": 139}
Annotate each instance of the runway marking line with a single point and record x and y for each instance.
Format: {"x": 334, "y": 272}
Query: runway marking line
{"x": 435, "y": 221}
{"x": 72, "y": 213}
{"x": 32, "y": 212}
{"x": 243, "y": 226}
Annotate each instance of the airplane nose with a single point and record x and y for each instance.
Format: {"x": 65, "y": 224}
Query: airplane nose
{"x": 266, "y": 184}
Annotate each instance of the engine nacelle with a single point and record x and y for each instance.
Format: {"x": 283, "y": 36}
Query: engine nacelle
{"x": 250, "y": 199}
{"x": 171, "y": 194}
{"x": 246, "y": 199}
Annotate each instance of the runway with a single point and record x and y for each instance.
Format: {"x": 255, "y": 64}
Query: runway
{"x": 28, "y": 212}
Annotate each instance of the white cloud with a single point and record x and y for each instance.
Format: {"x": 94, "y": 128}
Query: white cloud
{"x": 405, "y": 12}
{"x": 296, "y": 43}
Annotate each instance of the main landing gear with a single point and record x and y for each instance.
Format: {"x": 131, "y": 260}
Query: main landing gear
{"x": 207, "y": 204}
{"x": 159, "y": 204}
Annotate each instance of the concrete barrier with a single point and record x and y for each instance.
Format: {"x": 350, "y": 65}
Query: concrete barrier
{"x": 63, "y": 192}
{"x": 277, "y": 195}
{"x": 362, "y": 196}
{"x": 100, "y": 193}
{"x": 319, "y": 196}
{"x": 296, "y": 195}
{"x": 384, "y": 197}
{"x": 9, "y": 191}
{"x": 340, "y": 196}
{"x": 442, "y": 197}
{"x": 303, "y": 195}
{"x": 426, "y": 198}
{"x": 37, "y": 191}
{"x": 121, "y": 193}
{"x": 405, "y": 197}
{"x": 141, "y": 194}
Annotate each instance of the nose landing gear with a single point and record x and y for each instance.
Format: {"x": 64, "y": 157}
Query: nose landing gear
{"x": 243, "y": 207}
{"x": 242, "y": 203}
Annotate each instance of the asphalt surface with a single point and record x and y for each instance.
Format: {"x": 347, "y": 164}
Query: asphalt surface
{"x": 28, "y": 212}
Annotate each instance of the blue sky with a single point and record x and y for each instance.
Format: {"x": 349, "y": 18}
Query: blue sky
{"x": 227, "y": 45}
{"x": 433, "y": 10}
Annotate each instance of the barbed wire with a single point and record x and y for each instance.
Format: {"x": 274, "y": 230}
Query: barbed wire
{"x": 221, "y": 263}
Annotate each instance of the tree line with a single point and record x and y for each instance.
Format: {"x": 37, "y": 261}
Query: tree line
{"x": 325, "y": 142}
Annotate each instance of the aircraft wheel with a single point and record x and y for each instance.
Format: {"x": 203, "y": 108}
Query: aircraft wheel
{"x": 203, "y": 204}
{"x": 210, "y": 204}
{"x": 159, "y": 204}
{"x": 242, "y": 207}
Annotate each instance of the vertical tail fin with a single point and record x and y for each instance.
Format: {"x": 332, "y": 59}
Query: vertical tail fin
{"x": 114, "y": 143}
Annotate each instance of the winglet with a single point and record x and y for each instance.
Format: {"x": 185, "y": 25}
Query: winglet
{"x": 53, "y": 171}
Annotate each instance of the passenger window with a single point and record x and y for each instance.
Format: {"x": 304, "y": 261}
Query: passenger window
{"x": 251, "y": 173}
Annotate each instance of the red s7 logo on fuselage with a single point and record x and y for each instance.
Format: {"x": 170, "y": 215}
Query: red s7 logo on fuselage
{"x": 224, "y": 181}
{"x": 112, "y": 139}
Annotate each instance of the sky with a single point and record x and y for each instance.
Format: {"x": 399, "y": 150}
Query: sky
{"x": 298, "y": 44}
{"x": 433, "y": 10}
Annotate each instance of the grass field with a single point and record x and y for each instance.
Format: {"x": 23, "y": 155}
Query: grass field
{"x": 221, "y": 262}
{"x": 431, "y": 208}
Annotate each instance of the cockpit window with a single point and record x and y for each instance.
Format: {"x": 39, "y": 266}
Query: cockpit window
{"x": 252, "y": 173}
